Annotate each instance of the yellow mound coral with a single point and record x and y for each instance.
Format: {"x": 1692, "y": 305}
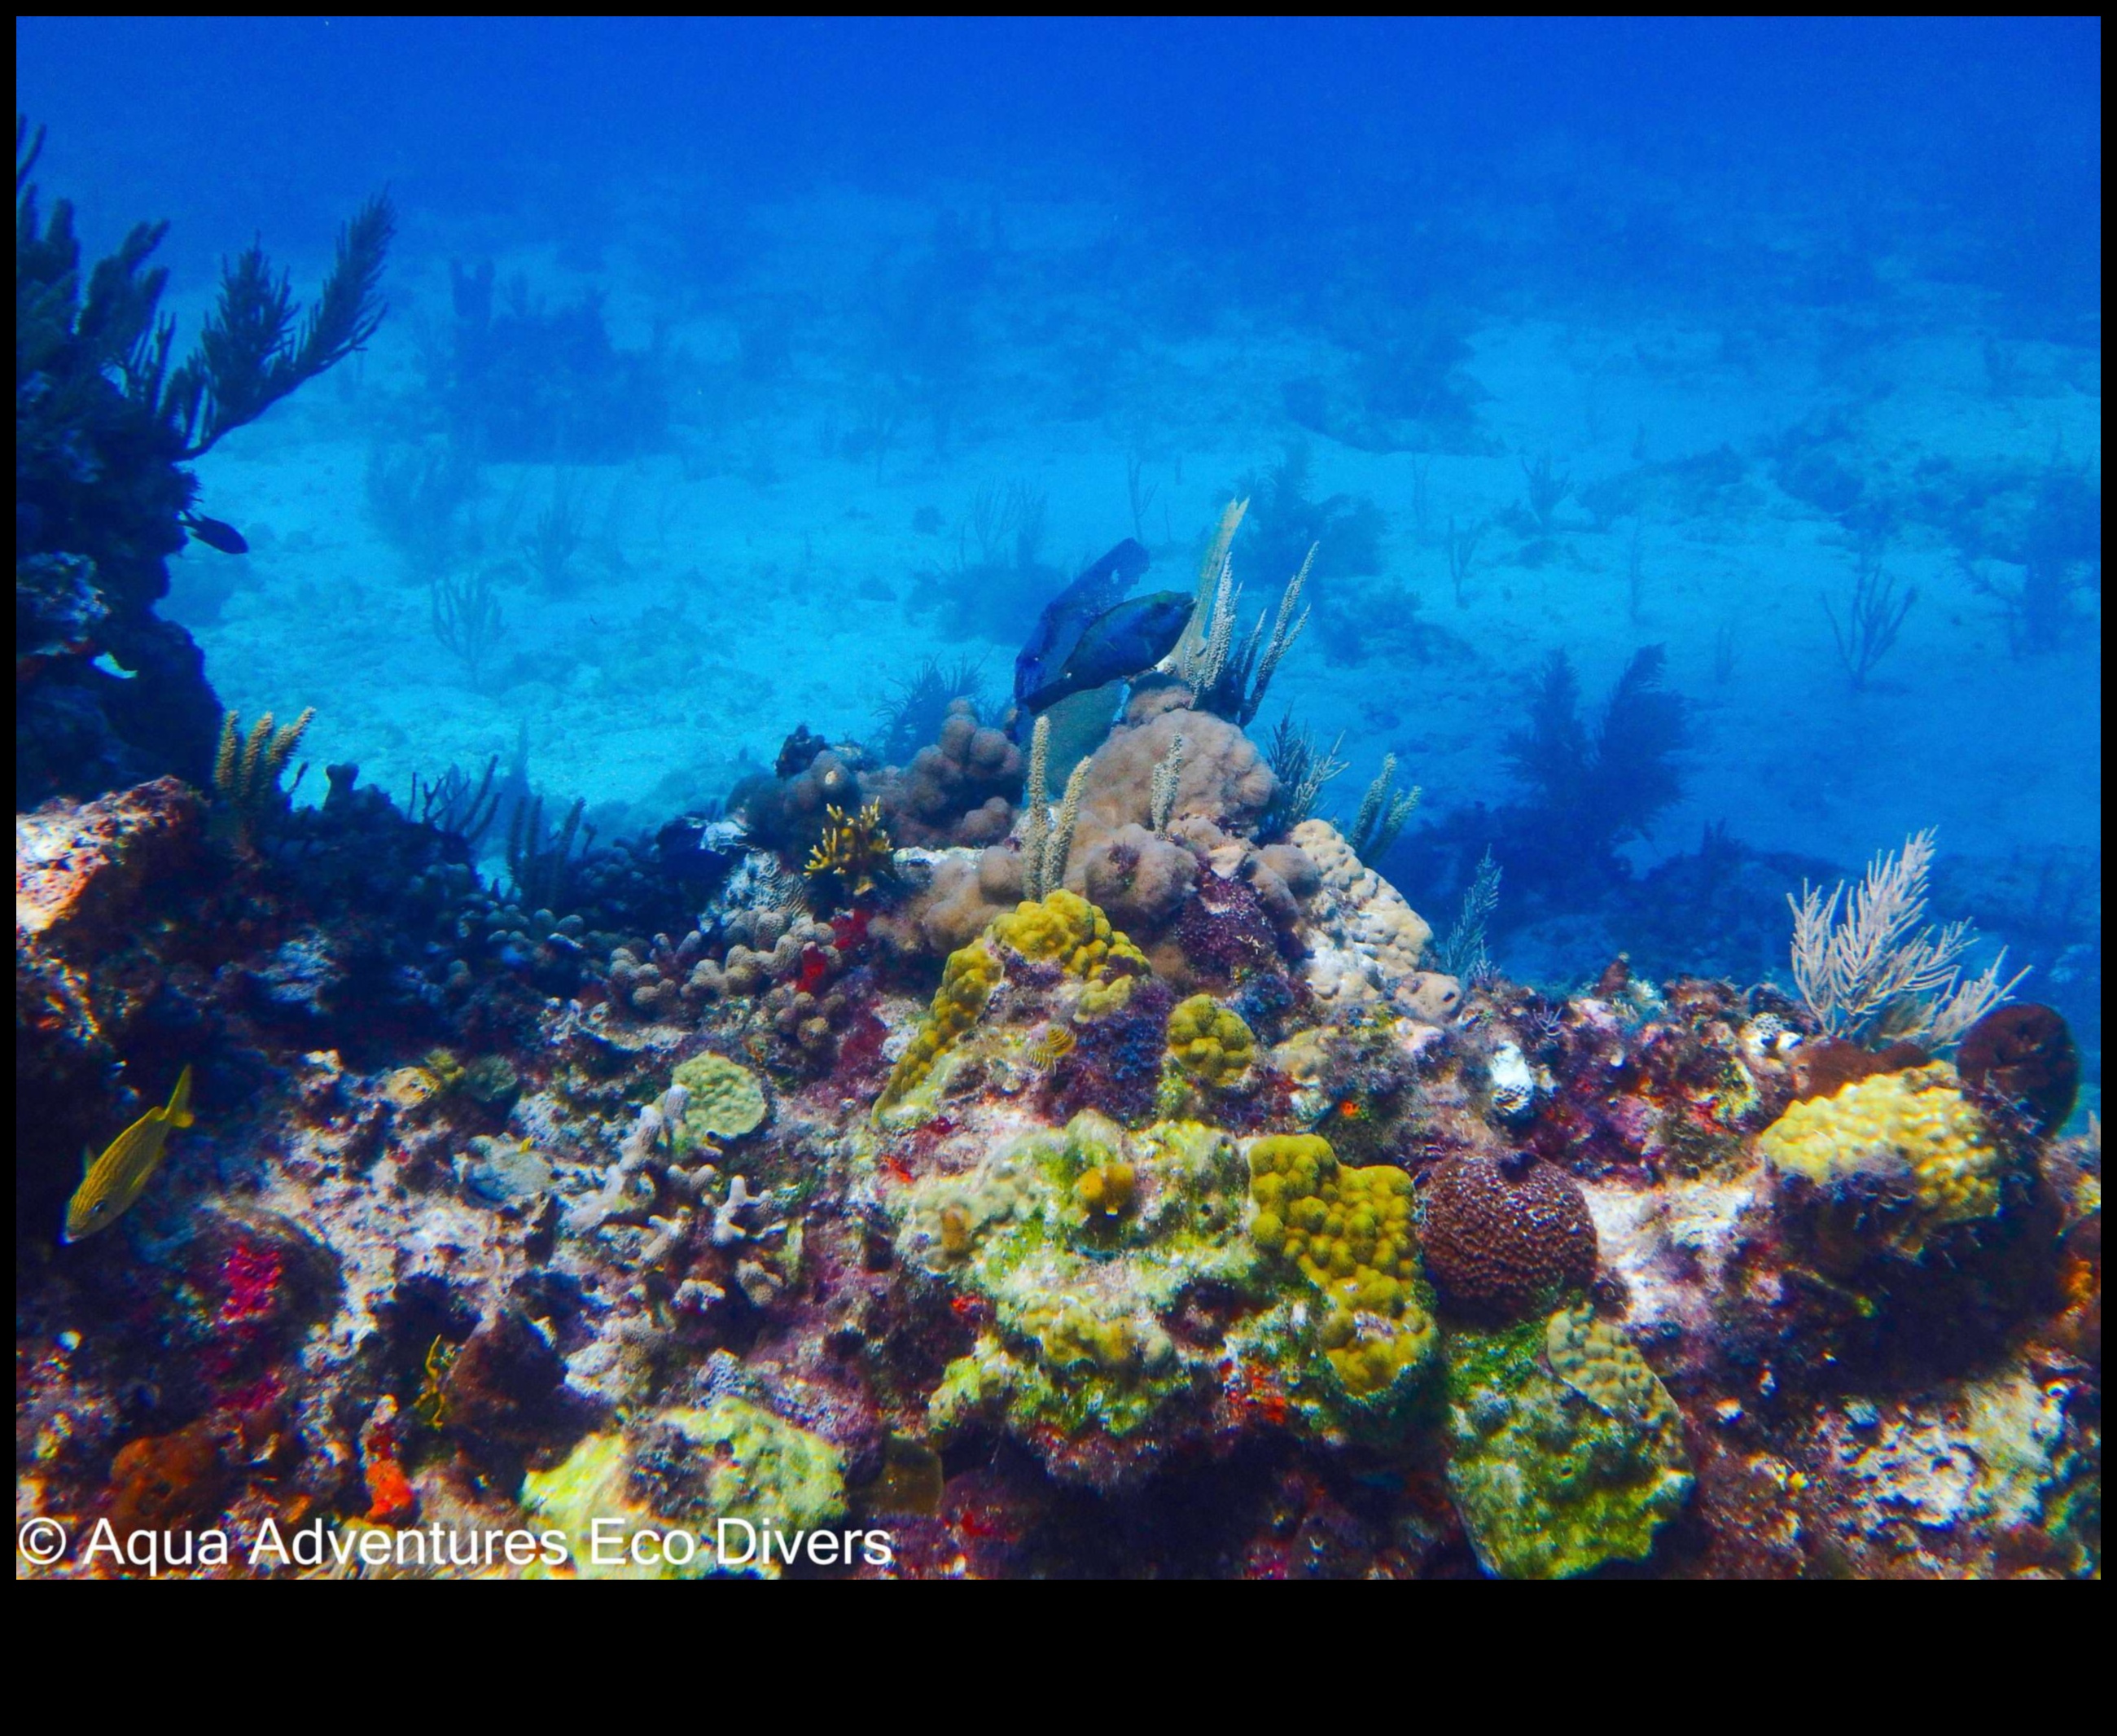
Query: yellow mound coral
{"x": 967, "y": 982}
{"x": 1349, "y": 1231}
{"x": 1209, "y": 1041}
{"x": 1066, "y": 930}
{"x": 1910, "y": 1140}
{"x": 1105, "y": 1192}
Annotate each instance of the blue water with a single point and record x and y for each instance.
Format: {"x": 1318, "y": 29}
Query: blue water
{"x": 844, "y": 344}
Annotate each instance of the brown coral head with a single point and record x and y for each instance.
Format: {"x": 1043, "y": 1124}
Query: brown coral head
{"x": 1503, "y": 1237}
{"x": 2024, "y": 1053}
{"x": 1825, "y": 1066}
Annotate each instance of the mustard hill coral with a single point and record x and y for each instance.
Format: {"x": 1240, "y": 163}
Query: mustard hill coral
{"x": 1348, "y": 1232}
{"x": 1895, "y": 1159}
{"x": 1210, "y": 1042}
{"x": 1064, "y": 933}
{"x": 1066, "y": 930}
{"x": 967, "y": 982}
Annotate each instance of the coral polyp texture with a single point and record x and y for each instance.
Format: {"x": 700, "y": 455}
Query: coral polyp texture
{"x": 1505, "y": 1234}
{"x": 1902, "y": 1157}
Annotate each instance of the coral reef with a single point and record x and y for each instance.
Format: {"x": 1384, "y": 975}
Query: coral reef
{"x": 1107, "y": 1185}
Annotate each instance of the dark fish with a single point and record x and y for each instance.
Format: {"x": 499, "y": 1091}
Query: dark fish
{"x": 1068, "y": 616}
{"x": 1117, "y": 645}
{"x": 216, "y": 533}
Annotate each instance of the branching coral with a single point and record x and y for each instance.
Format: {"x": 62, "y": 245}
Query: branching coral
{"x": 854, "y": 851}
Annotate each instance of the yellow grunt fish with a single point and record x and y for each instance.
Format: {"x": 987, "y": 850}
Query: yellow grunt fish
{"x": 119, "y": 1177}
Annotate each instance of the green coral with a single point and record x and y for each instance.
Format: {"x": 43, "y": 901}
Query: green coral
{"x": 1084, "y": 1245}
{"x": 1348, "y": 1233}
{"x": 1566, "y": 1451}
{"x": 688, "y": 1469}
{"x": 726, "y": 1101}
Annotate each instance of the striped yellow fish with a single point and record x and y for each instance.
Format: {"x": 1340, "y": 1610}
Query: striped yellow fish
{"x": 119, "y": 1177}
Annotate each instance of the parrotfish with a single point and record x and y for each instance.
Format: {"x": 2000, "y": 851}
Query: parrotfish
{"x": 216, "y": 533}
{"x": 1068, "y": 615}
{"x": 1117, "y": 645}
{"x": 118, "y": 1178}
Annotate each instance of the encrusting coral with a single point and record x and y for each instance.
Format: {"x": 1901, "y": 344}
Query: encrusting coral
{"x": 1892, "y": 1160}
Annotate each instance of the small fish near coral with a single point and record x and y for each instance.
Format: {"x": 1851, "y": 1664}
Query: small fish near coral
{"x": 114, "y": 1181}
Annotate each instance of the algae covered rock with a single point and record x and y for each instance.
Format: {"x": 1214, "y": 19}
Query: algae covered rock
{"x": 1084, "y": 1245}
{"x": 690, "y": 1492}
{"x": 1566, "y": 1451}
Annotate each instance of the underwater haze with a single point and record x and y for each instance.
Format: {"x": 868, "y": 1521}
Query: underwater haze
{"x": 1070, "y": 784}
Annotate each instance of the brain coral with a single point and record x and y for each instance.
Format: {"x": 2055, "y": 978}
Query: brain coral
{"x": 1504, "y": 1236}
{"x": 726, "y": 1101}
{"x": 1898, "y": 1155}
